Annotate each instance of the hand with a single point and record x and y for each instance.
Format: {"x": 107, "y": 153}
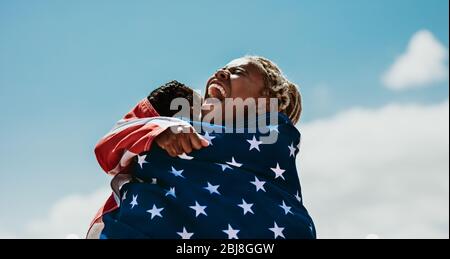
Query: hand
{"x": 178, "y": 140}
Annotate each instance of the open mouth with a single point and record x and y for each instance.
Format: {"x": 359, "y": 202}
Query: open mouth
{"x": 216, "y": 90}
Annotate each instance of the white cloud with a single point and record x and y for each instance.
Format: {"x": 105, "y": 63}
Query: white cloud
{"x": 382, "y": 172}
{"x": 425, "y": 62}
{"x": 69, "y": 217}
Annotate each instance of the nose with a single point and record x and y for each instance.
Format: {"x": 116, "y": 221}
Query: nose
{"x": 222, "y": 74}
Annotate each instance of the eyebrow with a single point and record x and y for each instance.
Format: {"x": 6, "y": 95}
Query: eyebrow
{"x": 238, "y": 67}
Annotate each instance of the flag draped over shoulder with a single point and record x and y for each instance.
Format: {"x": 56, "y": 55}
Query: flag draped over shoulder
{"x": 237, "y": 187}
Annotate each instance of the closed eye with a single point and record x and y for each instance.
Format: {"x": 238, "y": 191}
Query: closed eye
{"x": 237, "y": 71}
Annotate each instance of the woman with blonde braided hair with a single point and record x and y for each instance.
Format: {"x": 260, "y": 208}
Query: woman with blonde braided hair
{"x": 278, "y": 86}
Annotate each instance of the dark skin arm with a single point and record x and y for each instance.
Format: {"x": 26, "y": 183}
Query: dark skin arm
{"x": 178, "y": 140}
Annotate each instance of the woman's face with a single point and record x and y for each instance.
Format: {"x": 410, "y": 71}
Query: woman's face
{"x": 238, "y": 79}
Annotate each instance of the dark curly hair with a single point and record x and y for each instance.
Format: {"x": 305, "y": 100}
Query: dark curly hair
{"x": 161, "y": 97}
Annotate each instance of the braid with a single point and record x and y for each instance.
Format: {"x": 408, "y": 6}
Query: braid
{"x": 278, "y": 86}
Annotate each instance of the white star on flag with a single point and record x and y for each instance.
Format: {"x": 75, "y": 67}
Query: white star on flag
{"x": 176, "y": 172}
{"x": 155, "y": 211}
{"x": 212, "y": 188}
{"x": 277, "y": 231}
{"x": 254, "y": 144}
{"x": 278, "y": 172}
{"x": 134, "y": 201}
{"x": 259, "y": 184}
{"x": 185, "y": 157}
{"x": 185, "y": 234}
{"x": 234, "y": 163}
{"x": 224, "y": 167}
{"x": 232, "y": 233}
{"x": 292, "y": 150}
{"x": 141, "y": 160}
{"x": 171, "y": 192}
{"x": 286, "y": 208}
{"x": 198, "y": 209}
{"x": 247, "y": 207}
{"x": 297, "y": 196}
{"x": 273, "y": 128}
{"x": 208, "y": 138}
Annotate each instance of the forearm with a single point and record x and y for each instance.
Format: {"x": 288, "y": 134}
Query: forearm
{"x": 132, "y": 135}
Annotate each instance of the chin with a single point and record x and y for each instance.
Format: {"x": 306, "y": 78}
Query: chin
{"x": 213, "y": 113}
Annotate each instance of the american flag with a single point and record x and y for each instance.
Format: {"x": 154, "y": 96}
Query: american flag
{"x": 236, "y": 188}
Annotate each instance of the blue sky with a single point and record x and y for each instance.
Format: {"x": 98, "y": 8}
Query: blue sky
{"x": 70, "y": 69}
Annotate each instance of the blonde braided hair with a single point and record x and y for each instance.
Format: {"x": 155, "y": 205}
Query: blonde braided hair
{"x": 278, "y": 86}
